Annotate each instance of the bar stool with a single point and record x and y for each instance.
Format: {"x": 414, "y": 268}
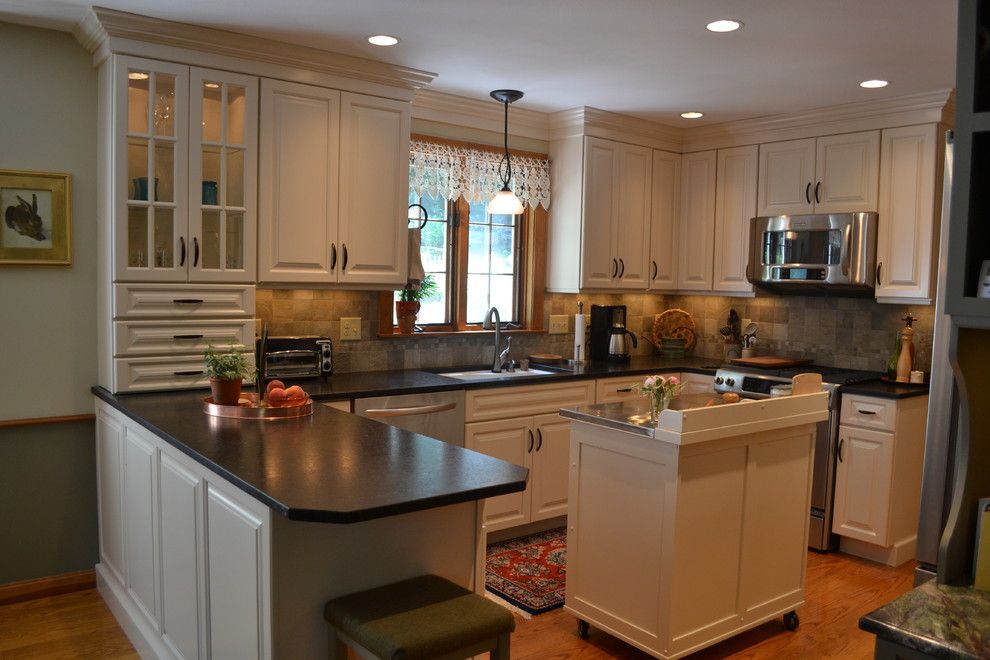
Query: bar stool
{"x": 423, "y": 617}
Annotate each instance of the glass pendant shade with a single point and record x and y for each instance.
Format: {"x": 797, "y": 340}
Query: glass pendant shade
{"x": 505, "y": 203}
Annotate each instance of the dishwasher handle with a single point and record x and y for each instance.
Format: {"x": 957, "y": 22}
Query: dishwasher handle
{"x": 410, "y": 410}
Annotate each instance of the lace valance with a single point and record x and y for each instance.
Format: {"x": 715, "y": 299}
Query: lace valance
{"x": 459, "y": 171}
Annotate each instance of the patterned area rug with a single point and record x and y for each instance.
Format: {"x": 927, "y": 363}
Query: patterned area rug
{"x": 529, "y": 572}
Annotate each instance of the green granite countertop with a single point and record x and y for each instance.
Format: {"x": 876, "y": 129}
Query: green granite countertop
{"x": 937, "y": 620}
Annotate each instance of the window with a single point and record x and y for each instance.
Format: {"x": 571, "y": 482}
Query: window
{"x": 476, "y": 261}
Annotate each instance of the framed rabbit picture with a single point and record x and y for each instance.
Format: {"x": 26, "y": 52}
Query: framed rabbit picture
{"x": 35, "y": 224}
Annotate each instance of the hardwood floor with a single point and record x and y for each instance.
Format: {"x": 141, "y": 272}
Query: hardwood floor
{"x": 840, "y": 589}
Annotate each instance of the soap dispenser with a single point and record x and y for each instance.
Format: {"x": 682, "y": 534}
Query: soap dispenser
{"x": 905, "y": 361}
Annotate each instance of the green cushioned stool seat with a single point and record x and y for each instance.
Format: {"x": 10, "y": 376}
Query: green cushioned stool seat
{"x": 423, "y": 617}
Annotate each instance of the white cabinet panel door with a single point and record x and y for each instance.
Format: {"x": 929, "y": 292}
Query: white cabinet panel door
{"x": 512, "y": 440}
{"x": 697, "y": 225}
{"x": 698, "y": 383}
{"x": 234, "y": 540}
{"x": 550, "y": 466}
{"x": 140, "y": 522}
{"x": 665, "y": 201}
{"x": 847, "y": 172}
{"x": 299, "y": 156}
{"x": 182, "y": 570}
{"x": 599, "y": 265}
{"x": 632, "y": 224}
{"x": 109, "y": 447}
{"x": 862, "y": 484}
{"x": 906, "y": 232}
{"x": 735, "y": 206}
{"x": 374, "y": 190}
{"x": 787, "y": 172}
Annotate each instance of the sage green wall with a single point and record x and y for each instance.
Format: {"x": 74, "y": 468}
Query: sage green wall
{"x": 48, "y": 315}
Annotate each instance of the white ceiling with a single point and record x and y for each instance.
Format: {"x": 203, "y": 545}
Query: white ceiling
{"x": 648, "y": 58}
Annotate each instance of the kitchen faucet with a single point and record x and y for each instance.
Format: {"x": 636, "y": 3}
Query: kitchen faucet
{"x": 498, "y": 359}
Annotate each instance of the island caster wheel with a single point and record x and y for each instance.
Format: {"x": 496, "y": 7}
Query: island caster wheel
{"x": 791, "y": 621}
{"x": 583, "y": 629}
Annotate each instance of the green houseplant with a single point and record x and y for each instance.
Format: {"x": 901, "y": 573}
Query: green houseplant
{"x": 227, "y": 370}
{"x": 408, "y": 304}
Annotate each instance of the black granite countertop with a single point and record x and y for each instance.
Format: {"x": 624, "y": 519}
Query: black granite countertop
{"x": 937, "y": 620}
{"x": 886, "y": 390}
{"x": 331, "y": 467}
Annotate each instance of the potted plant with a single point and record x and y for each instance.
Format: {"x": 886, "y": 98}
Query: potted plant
{"x": 227, "y": 370}
{"x": 408, "y": 304}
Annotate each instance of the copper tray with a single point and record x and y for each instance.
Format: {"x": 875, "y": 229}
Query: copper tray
{"x": 249, "y": 409}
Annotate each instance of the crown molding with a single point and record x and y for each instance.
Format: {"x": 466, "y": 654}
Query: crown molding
{"x": 925, "y": 108}
{"x": 105, "y": 31}
{"x": 474, "y": 113}
{"x": 614, "y": 126}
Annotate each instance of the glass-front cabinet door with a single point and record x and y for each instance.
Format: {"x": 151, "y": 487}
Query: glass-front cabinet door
{"x": 223, "y": 176}
{"x": 151, "y": 152}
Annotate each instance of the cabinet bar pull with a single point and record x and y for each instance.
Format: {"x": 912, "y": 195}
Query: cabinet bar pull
{"x": 195, "y": 251}
{"x": 879, "y": 266}
{"x": 187, "y": 336}
{"x": 625, "y": 390}
{"x": 807, "y": 192}
{"x": 333, "y": 256}
{"x": 531, "y": 441}
{"x": 411, "y": 410}
{"x": 187, "y": 301}
{"x": 655, "y": 271}
{"x": 622, "y": 268}
{"x": 841, "y": 442}
{"x": 539, "y": 433}
{"x": 615, "y": 268}
{"x": 818, "y": 189}
{"x": 343, "y": 266}
{"x": 187, "y": 373}
{"x": 866, "y": 412}
{"x": 182, "y": 251}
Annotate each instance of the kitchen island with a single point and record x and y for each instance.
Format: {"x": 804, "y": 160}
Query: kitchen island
{"x": 226, "y": 537}
{"x": 687, "y": 533}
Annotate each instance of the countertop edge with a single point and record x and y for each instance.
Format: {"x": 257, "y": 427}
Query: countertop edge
{"x": 927, "y": 645}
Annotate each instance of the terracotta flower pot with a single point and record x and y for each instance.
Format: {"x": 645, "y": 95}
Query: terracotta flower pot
{"x": 406, "y": 313}
{"x": 226, "y": 392}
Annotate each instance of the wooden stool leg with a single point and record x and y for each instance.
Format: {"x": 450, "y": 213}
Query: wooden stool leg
{"x": 338, "y": 650}
{"x": 501, "y": 651}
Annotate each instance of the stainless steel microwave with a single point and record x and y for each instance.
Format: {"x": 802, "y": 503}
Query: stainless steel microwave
{"x": 834, "y": 252}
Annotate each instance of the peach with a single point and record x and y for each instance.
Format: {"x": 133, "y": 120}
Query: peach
{"x": 273, "y": 384}
{"x": 276, "y": 396}
{"x": 295, "y": 392}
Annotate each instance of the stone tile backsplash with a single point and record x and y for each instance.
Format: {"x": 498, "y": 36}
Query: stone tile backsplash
{"x": 843, "y": 332}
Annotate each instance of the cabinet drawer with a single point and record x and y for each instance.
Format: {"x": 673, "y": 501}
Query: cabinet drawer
{"x": 145, "y": 374}
{"x": 614, "y": 390}
{"x": 505, "y": 402}
{"x": 868, "y": 412}
{"x": 182, "y": 301}
{"x": 169, "y": 337}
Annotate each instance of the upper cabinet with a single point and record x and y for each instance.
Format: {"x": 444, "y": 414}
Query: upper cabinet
{"x": 664, "y": 220}
{"x": 334, "y": 170}
{"x": 696, "y": 235}
{"x": 833, "y": 174}
{"x": 735, "y": 205}
{"x": 184, "y": 172}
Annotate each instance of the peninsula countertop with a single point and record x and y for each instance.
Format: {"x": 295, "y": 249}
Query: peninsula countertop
{"x": 331, "y": 467}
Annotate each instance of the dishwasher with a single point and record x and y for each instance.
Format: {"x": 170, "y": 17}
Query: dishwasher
{"x": 438, "y": 415}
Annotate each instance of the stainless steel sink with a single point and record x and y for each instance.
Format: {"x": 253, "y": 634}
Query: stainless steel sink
{"x": 488, "y": 374}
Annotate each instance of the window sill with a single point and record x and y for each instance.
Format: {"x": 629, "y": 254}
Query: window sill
{"x": 459, "y": 333}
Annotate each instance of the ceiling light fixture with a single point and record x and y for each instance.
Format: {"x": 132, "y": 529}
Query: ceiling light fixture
{"x": 694, "y": 114}
{"x": 724, "y": 25}
{"x": 383, "y": 40}
{"x": 505, "y": 202}
{"x": 873, "y": 84}
{"x": 138, "y": 75}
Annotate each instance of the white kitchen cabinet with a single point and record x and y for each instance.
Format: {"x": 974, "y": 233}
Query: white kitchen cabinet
{"x": 832, "y": 174}
{"x": 140, "y": 521}
{"x": 907, "y": 231}
{"x": 550, "y": 456}
{"x": 735, "y": 206}
{"x": 109, "y": 445}
{"x": 510, "y": 440}
{"x": 878, "y": 476}
{"x": 183, "y": 184}
{"x": 631, "y": 227}
{"x": 665, "y": 200}
{"x": 696, "y": 233}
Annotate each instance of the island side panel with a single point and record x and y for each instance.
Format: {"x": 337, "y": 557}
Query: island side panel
{"x": 314, "y": 562}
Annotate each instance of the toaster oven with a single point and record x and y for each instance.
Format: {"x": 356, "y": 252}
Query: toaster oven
{"x": 296, "y": 357}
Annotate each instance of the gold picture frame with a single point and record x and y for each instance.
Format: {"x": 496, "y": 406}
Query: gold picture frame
{"x": 35, "y": 223}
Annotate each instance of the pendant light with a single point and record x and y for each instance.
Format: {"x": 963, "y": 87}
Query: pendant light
{"x": 505, "y": 202}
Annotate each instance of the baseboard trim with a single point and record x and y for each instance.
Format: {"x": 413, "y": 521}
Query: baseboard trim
{"x": 893, "y": 555}
{"x": 17, "y": 592}
{"x": 145, "y": 639}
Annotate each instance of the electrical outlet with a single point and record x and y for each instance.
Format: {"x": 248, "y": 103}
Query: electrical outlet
{"x": 350, "y": 328}
{"x": 558, "y": 324}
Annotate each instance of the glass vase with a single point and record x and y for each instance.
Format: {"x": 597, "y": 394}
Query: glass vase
{"x": 658, "y": 403}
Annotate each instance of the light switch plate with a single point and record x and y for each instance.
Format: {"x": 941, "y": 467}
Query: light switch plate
{"x": 558, "y": 324}
{"x": 350, "y": 328}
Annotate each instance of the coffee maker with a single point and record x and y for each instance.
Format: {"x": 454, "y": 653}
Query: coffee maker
{"x": 608, "y": 334}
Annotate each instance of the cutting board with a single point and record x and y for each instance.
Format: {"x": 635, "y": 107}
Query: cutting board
{"x": 771, "y": 362}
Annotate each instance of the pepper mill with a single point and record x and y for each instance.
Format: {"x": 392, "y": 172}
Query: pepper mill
{"x": 905, "y": 362}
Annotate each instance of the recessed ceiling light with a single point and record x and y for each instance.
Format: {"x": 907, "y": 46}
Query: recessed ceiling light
{"x": 138, "y": 75}
{"x": 692, "y": 115}
{"x": 873, "y": 84}
{"x": 383, "y": 40}
{"x": 724, "y": 25}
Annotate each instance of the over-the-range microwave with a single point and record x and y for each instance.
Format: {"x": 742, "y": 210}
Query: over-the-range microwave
{"x": 834, "y": 252}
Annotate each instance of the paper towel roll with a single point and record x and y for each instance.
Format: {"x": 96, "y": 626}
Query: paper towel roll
{"x": 579, "y": 330}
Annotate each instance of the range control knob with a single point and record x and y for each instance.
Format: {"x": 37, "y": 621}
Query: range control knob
{"x": 719, "y": 380}
{"x": 730, "y": 381}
